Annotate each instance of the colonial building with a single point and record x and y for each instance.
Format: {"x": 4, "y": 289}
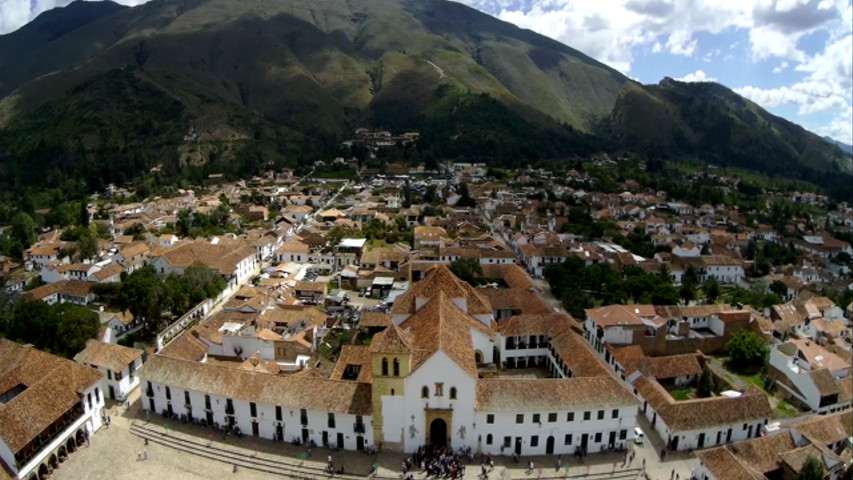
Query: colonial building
{"x": 48, "y": 407}
{"x": 118, "y": 366}
{"x": 436, "y": 374}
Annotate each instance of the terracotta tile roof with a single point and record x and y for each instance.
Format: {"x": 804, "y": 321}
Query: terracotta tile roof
{"x": 354, "y": 355}
{"x": 818, "y": 356}
{"x": 690, "y": 311}
{"x": 108, "y": 271}
{"x": 551, "y": 394}
{"x": 77, "y": 288}
{"x": 133, "y": 250}
{"x": 374, "y": 319}
{"x": 440, "y": 279}
{"x": 441, "y": 325}
{"x": 294, "y": 315}
{"x": 107, "y": 355}
{"x": 222, "y": 257}
{"x": 723, "y": 464}
{"x": 827, "y": 429}
{"x": 761, "y": 453}
{"x": 669, "y": 366}
{"x": 524, "y": 301}
{"x": 392, "y": 340}
{"x": 310, "y": 287}
{"x": 620, "y": 314}
{"x": 257, "y": 364}
{"x": 53, "y": 386}
{"x": 186, "y": 347}
{"x": 626, "y": 354}
{"x": 550, "y": 324}
{"x": 824, "y": 382}
{"x": 796, "y": 458}
{"x": 703, "y": 413}
{"x": 513, "y": 275}
{"x": 293, "y": 246}
{"x": 317, "y": 394}
{"x": 579, "y": 356}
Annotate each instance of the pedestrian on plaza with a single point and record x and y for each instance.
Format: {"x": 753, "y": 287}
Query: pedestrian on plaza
{"x": 530, "y": 466}
{"x": 672, "y": 474}
{"x": 644, "y": 465}
{"x": 514, "y": 457}
{"x": 662, "y": 454}
{"x": 559, "y": 463}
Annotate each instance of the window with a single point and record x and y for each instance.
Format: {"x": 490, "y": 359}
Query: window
{"x": 89, "y": 398}
{"x": 507, "y": 442}
{"x": 489, "y": 439}
{"x": 396, "y": 368}
{"x": 109, "y": 374}
{"x": 384, "y": 367}
{"x": 601, "y": 414}
{"x": 536, "y": 418}
{"x": 623, "y": 434}
{"x": 425, "y": 392}
{"x": 568, "y": 439}
{"x": 490, "y": 418}
{"x": 253, "y": 409}
{"x": 168, "y": 393}
{"x": 534, "y": 441}
{"x": 97, "y": 394}
{"x": 439, "y": 389}
{"x": 552, "y": 417}
{"x": 331, "y": 420}
{"x": 453, "y": 393}
{"x": 519, "y": 418}
{"x": 187, "y": 398}
{"x": 118, "y": 376}
{"x": 278, "y": 413}
{"x": 570, "y": 417}
{"x": 615, "y": 413}
{"x": 587, "y": 415}
{"x": 207, "y": 402}
{"x": 393, "y": 392}
{"x": 598, "y": 437}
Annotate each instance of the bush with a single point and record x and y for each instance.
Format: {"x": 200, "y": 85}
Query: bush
{"x": 746, "y": 351}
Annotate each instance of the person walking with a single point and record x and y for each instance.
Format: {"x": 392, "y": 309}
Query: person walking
{"x": 559, "y": 463}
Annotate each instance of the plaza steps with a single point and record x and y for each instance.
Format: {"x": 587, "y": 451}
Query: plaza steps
{"x": 243, "y": 459}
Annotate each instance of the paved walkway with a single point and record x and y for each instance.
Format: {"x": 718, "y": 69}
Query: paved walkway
{"x": 177, "y": 451}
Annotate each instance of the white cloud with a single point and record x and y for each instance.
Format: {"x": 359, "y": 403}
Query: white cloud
{"x": 782, "y": 66}
{"x": 16, "y": 13}
{"x": 697, "y": 76}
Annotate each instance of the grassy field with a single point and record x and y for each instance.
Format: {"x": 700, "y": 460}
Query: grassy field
{"x": 683, "y": 394}
{"x": 785, "y": 410}
{"x": 754, "y": 379}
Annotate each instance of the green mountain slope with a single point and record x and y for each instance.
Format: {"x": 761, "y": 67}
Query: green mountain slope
{"x": 101, "y": 92}
{"x": 710, "y": 122}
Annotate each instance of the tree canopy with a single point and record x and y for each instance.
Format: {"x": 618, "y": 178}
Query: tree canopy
{"x": 812, "y": 469}
{"x": 61, "y": 329}
{"x": 747, "y": 351}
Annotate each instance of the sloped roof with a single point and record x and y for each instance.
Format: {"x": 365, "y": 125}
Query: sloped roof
{"x": 723, "y": 464}
{"x": 550, "y": 324}
{"x": 392, "y": 340}
{"x": 317, "y": 394}
{"x": 107, "y": 355}
{"x": 354, "y": 355}
{"x": 507, "y": 395}
{"x": 827, "y": 429}
{"x": 703, "y": 413}
{"x": 440, "y": 279}
{"x": 53, "y": 385}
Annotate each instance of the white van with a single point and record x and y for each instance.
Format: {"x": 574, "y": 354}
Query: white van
{"x": 638, "y": 435}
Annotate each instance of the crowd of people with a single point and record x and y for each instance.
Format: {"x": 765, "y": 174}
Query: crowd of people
{"x": 438, "y": 462}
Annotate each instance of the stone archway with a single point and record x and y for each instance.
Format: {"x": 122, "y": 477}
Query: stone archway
{"x": 70, "y": 445}
{"x": 44, "y": 470}
{"x": 62, "y": 452}
{"x": 438, "y": 433}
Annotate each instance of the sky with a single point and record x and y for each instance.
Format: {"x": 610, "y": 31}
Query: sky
{"x": 792, "y": 57}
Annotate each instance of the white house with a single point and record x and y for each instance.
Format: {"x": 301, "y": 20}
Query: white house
{"x": 701, "y": 423}
{"x": 235, "y": 261}
{"x": 48, "y": 408}
{"x": 117, "y": 364}
{"x": 812, "y": 374}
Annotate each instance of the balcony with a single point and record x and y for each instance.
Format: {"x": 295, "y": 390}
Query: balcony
{"x": 303, "y": 419}
{"x": 229, "y": 408}
{"x": 149, "y": 392}
{"x": 358, "y": 427}
{"x": 27, "y": 453}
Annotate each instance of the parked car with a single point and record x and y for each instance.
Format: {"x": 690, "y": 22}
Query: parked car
{"x": 638, "y": 435}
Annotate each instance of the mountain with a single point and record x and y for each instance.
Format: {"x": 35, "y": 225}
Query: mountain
{"x": 843, "y": 146}
{"x": 708, "y": 121}
{"x": 97, "y": 93}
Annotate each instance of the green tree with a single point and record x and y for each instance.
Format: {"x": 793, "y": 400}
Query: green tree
{"x": 75, "y": 325}
{"x": 23, "y": 231}
{"x": 142, "y": 294}
{"x": 87, "y": 245}
{"x": 779, "y": 288}
{"x": 712, "y": 290}
{"x": 812, "y": 469}
{"x": 746, "y": 351}
{"x": 706, "y": 385}
{"x": 467, "y": 269}
{"x": 575, "y": 302}
{"x": 687, "y": 292}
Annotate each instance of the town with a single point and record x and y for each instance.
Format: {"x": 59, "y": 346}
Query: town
{"x": 455, "y": 320}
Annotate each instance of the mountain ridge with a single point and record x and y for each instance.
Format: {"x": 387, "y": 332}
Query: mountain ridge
{"x": 273, "y": 82}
